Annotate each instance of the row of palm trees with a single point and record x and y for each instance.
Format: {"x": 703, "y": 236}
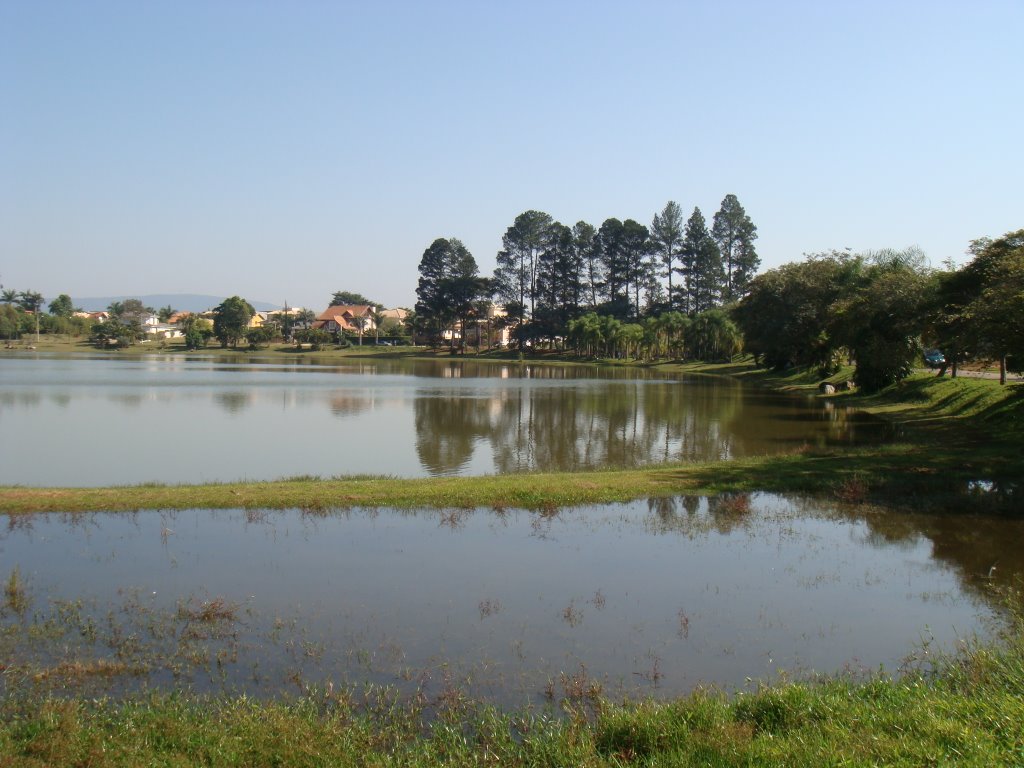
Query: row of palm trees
{"x": 709, "y": 335}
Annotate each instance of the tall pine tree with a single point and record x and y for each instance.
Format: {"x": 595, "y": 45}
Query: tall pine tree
{"x": 584, "y": 238}
{"x": 636, "y": 249}
{"x": 559, "y": 282}
{"x": 735, "y": 234}
{"x": 515, "y": 278}
{"x": 667, "y": 241}
{"x": 702, "y": 270}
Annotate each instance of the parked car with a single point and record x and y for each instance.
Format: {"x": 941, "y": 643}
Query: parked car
{"x": 933, "y": 358}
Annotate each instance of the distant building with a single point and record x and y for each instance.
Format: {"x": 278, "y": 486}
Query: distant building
{"x": 340, "y": 318}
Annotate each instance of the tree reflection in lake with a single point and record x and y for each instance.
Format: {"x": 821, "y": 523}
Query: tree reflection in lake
{"x": 619, "y": 424}
{"x": 409, "y": 419}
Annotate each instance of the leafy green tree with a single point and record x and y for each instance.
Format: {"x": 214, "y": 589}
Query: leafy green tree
{"x": 9, "y": 296}
{"x": 667, "y": 241}
{"x": 62, "y": 306}
{"x": 257, "y": 336}
{"x": 131, "y": 312}
{"x": 231, "y": 320}
{"x": 881, "y": 316}
{"x": 448, "y": 288}
{"x": 113, "y": 333}
{"x": 786, "y": 315}
{"x": 197, "y": 330}
{"x": 31, "y": 301}
{"x": 317, "y": 338}
{"x": 995, "y": 283}
{"x": 735, "y": 233}
{"x": 348, "y": 298}
{"x": 165, "y": 313}
{"x": 10, "y": 322}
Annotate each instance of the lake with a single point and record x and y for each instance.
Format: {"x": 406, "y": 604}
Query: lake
{"x": 646, "y": 598}
{"x": 108, "y": 420}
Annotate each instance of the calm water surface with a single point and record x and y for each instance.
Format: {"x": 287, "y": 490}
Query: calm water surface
{"x": 103, "y": 421}
{"x": 648, "y": 597}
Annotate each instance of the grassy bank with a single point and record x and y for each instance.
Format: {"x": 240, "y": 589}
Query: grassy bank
{"x": 964, "y": 710}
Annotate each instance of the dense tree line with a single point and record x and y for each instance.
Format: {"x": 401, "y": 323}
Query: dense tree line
{"x": 21, "y": 315}
{"x": 549, "y": 274}
{"x": 878, "y": 309}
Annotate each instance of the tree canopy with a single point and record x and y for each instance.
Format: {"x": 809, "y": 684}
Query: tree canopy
{"x": 448, "y": 288}
{"x": 231, "y": 319}
{"x": 349, "y": 298}
{"x": 62, "y": 306}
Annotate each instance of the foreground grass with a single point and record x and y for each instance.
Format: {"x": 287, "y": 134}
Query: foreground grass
{"x": 963, "y": 710}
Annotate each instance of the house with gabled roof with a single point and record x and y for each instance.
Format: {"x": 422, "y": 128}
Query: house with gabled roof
{"x": 340, "y": 318}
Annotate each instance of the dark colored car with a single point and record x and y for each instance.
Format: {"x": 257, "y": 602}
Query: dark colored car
{"x": 933, "y": 358}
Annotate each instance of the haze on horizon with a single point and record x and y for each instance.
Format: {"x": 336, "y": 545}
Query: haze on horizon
{"x": 283, "y": 152}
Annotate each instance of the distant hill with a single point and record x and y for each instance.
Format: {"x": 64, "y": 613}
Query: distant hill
{"x": 186, "y": 302}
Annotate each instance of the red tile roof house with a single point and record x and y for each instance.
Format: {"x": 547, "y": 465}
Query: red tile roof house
{"x": 339, "y": 318}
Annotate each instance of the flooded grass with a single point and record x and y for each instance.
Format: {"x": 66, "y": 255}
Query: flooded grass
{"x": 967, "y": 710}
{"x": 489, "y": 603}
{"x": 15, "y": 597}
{"x": 208, "y": 611}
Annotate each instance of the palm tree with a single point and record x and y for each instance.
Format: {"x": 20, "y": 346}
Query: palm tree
{"x": 715, "y": 336}
{"x": 378, "y": 318}
{"x": 9, "y": 296}
{"x": 31, "y": 301}
{"x": 359, "y": 321}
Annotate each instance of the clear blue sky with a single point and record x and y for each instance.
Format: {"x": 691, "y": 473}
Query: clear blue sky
{"x": 285, "y": 150}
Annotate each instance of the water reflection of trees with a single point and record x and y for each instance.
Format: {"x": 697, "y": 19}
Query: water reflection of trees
{"x": 693, "y": 515}
{"x": 773, "y": 421}
{"x": 446, "y": 429}
{"x": 969, "y": 545}
{"x": 623, "y": 424}
{"x": 345, "y": 403}
{"x": 234, "y": 401}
